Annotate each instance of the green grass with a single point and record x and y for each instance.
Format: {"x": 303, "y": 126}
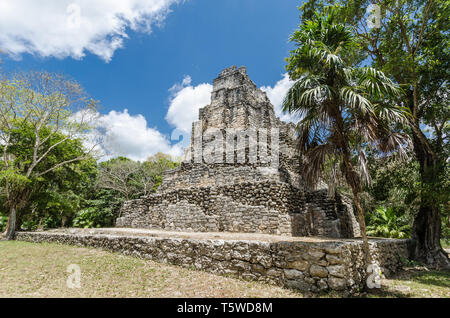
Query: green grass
{"x": 416, "y": 283}
{"x": 445, "y": 243}
{"x": 39, "y": 270}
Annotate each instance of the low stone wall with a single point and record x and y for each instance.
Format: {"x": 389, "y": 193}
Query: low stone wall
{"x": 305, "y": 265}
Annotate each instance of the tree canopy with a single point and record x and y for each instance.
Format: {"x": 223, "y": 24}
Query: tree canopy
{"x": 343, "y": 108}
{"x": 409, "y": 43}
{"x": 42, "y": 118}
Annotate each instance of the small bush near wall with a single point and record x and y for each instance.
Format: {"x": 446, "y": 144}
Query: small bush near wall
{"x": 3, "y": 221}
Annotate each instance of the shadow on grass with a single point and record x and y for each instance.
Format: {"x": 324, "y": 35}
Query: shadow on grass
{"x": 409, "y": 282}
{"x": 387, "y": 293}
{"x": 414, "y": 280}
{"x": 440, "y": 279}
{"x": 371, "y": 293}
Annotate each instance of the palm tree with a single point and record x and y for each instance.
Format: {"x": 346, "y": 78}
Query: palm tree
{"x": 343, "y": 109}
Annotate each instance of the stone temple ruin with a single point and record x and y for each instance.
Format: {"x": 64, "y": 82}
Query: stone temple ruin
{"x": 229, "y": 185}
{"x": 240, "y": 190}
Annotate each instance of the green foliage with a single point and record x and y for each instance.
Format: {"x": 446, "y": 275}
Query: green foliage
{"x": 55, "y": 197}
{"x": 13, "y": 175}
{"x": 105, "y": 205}
{"x": 395, "y": 184}
{"x": 73, "y": 195}
{"x": 42, "y": 157}
{"x": 446, "y": 229}
{"x": 45, "y": 171}
{"x": 117, "y": 180}
{"x": 87, "y": 218}
{"x": 155, "y": 166}
{"x": 342, "y": 106}
{"x": 29, "y": 225}
{"x": 412, "y": 47}
{"x": 3, "y": 221}
{"x": 384, "y": 222}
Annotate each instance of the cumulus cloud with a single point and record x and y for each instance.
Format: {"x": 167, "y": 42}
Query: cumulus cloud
{"x": 185, "y": 101}
{"x": 122, "y": 134}
{"x": 276, "y": 95}
{"x": 69, "y": 28}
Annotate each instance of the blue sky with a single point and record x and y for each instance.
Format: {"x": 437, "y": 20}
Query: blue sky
{"x": 193, "y": 42}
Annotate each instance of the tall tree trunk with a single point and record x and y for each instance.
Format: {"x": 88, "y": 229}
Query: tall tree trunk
{"x": 427, "y": 235}
{"x": 426, "y": 230}
{"x": 427, "y": 223}
{"x": 39, "y": 226}
{"x": 11, "y": 225}
{"x": 362, "y": 227}
{"x": 353, "y": 181}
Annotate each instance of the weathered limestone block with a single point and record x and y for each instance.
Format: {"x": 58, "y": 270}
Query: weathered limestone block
{"x": 318, "y": 271}
{"x": 337, "y": 283}
{"x": 314, "y": 255}
{"x": 300, "y": 265}
{"x": 322, "y": 284}
{"x": 333, "y": 260}
{"x": 337, "y": 270}
{"x": 293, "y": 274}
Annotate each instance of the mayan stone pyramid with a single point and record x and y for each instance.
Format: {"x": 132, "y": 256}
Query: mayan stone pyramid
{"x": 250, "y": 189}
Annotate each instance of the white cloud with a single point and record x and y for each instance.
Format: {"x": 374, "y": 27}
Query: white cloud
{"x": 276, "y": 95}
{"x": 122, "y": 134}
{"x": 185, "y": 102}
{"x": 63, "y": 28}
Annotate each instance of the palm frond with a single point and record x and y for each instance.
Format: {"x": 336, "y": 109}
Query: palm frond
{"x": 314, "y": 162}
{"x": 376, "y": 83}
{"x": 392, "y": 113}
{"x": 352, "y": 99}
{"x": 363, "y": 168}
{"x": 305, "y": 94}
{"x": 366, "y": 128}
{"x": 395, "y": 143}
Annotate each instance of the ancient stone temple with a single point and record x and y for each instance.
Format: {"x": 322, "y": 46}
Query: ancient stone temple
{"x": 241, "y": 173}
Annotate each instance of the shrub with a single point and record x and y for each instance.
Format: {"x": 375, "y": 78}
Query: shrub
{"x": 384, "y": 222}
{"x": 29, "y": 225}
{"x": 3, "y": 222}
{"x": 89, "y": 217}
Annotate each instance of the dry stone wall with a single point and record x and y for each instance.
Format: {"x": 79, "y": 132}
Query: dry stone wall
{"x": 306, "y": 266}
{"x": 251, "y": 207}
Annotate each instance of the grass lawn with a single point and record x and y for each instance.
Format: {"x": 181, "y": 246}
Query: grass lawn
{"x": 39, "y": 270}
{"x": 416, "y": 283}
